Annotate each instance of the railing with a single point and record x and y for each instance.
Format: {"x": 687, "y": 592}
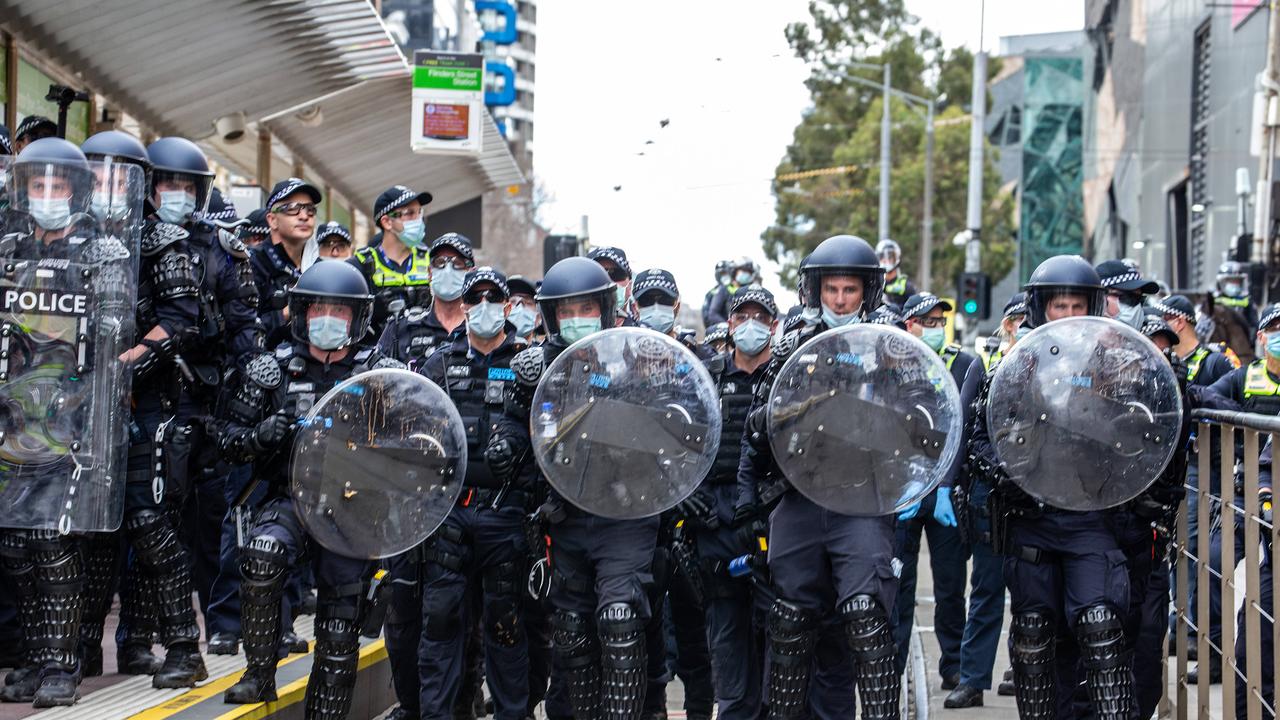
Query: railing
{"x": 1257, "y": 615}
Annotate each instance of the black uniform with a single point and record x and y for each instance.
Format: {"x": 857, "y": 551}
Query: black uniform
{"x": 273, "y": 274}
{"x": 414, "y": 336}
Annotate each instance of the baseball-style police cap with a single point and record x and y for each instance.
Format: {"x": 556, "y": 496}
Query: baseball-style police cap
{"x": 1153, "y": 327}
{"x": 1270, "y": 314}
{"x": 885, "y": 315}
{"x": 754, "y": 294}
{"x": 486, "y": 274}
{"x": 655, "y": 280}
{"x": 521, "y": 285}
{"x": 1178, "y": 306}
{"x": 921, "y": 303}
{"x": 458, "y": 242}
{"x": 395, "y": 197}
{"x": 333, "y": 231}
{"x": 1017, "y": 305}
{"x": 616, "y": 255}
{"x": 35, "y": 123}
{"x": 1116, "y": 275}
{"x": 289, "y": 186}
{"x": 257, "y": 223}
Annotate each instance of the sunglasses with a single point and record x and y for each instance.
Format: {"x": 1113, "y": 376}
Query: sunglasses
{"x": 655, "y": 298}
{"x": 456, "y": 263}
{"x": 475, "y": 297}
{"x": 294, "y": 209}
{"x": 759, "y": 316}
{"x": 618, "y": 274}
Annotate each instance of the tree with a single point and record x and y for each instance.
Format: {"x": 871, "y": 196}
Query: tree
{"x": 842, "y": 128}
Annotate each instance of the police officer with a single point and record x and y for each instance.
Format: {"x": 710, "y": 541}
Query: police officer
{"x": 524, "y": 318}
{"x": 334, "y": 241}
{"x": 329, "y": 313}
{"x": 480, "y": 548}
{"x": 256, "y": 230}
{"x": 713, "y": 311}
{"x": 657, "y": 300}
{"x": 196, "y": 314}
{"x": 897, "y": 286}
{"x": 614, "y": 261}
{"x": 32, "y": 128}
{"x": 822, "y": 561}
{"x": 925, "y": 315}
{"x": 412, "y": 337}
{"x": 1010, "y": 326}
{"x": 290, "y": 217}
{"x": 1254, "y": 388}
{"x": 1204, "y": 366}
{"x": 600, "y": 566}
{"x": 1127, "y": 292}
{"x": 50, "y": 218}
{"x": 102, "y": 551}
{"x": 1066, "y": 571}
{"x": 396, "y": 268}
{"x": 716, "y": 338}
{"x": 734, "y": 626}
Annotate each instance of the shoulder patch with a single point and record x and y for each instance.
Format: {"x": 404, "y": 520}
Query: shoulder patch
{"x": 389, "y": 363}
{"x": 788, "y": 344}
{"x": 161, "y": 235}
{"x": 528, "y": 365}
{"x": 264, "y": 370}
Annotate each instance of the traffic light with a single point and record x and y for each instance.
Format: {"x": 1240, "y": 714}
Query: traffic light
{"x": 975, "y": 295}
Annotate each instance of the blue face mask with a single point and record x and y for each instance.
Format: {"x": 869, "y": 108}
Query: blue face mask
{"x": 486, "y": 319}
{"x": 751, "y": 337}
{"x": 743, "y": 277}
{"x": 834, "y": 319}
{"x": 328, "y": 332}
{"x": 412, "y": 232}
{"x": 658, "y": 317}
{"x": 574, "y": 329}
{"x": 523, "y": 319}
{"x": 446, "y": 282}
{"x": 108, "y": 206}
{"x": 176, "y": 206}
{"x": 1021, "y": 332}
{"x": 622, "y": 298}
{"x": 51, "y": 213}
{"x": 1131, "y": 315}
{"x": 934, "y": 338}
{"x": 1273, "y": 345}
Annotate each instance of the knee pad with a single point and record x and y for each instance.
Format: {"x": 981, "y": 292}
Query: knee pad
{"x": 154, "y": 541}
{"x": 263, "y": 564}
{"x": 574, "y": 640}
{"x": 1101, "y": 637}
{"x": 867, "y": 628}
{"x": 502, "y": 604}
{"x": 621, "y": 626}
{"x": 1033, "y": 639}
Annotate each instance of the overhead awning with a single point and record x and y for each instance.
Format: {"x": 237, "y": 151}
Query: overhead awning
{"x": 178, "y": 65}
{"x": 362, "y": 147}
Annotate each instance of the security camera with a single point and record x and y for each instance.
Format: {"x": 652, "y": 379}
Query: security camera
{"x": 311, "y": 116}
{"x": 230, "y": 127}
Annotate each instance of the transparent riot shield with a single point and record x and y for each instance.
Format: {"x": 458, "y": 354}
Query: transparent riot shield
{"x": 378, "y": 463}
{"x": 625, "y": 423}
{"x": 68, "y": 290}
{"x": 865, "y": 419}
{"x": 1084, "y": 413}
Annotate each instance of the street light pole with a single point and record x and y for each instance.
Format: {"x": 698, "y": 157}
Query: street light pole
{"x": 973, "y": 248}
{"x": 926, "y": 225}
{"x": 885, "y": 135}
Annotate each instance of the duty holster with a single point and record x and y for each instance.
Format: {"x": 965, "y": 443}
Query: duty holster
{"x": 376, "y": 601}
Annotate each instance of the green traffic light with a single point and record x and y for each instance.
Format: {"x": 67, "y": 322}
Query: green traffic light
{"x": 971, "y": 306}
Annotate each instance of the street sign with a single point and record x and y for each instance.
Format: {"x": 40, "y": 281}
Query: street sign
{"x": 448, "y": 103}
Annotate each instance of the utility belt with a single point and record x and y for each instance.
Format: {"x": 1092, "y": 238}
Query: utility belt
{"x": 494, "y": 498}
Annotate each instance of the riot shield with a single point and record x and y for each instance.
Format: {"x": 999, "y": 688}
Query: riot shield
{"x": 68, "y": 289}
{"x": 865, "y": 419}
{"x": 378, "y": 463}
{"x": 1084, "y": 413}
{"x": 625, "y": 423}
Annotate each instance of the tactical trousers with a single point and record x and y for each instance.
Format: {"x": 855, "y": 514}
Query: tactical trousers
{"x": 947, "y": 559}
{"x": 597, "y": 562}
{"x": 223, "y": 615}
{"x": 402, "y": 628}
{"x": 477, "y": 549}
{"x": 986, "y": 599}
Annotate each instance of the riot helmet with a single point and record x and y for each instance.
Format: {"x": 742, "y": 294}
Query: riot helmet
{"x": 50, "y": 180}
{"x": 889, "y": 253}
{"x": 1063, "y": 275}
{"x": 576, "y": 279}
{"x": 176, "y": 162}
{"x": 110, "y": 148}
{"x": 745, "y": 271}
{"x": 841, "y": 255}
{"x": 1233, "y": 279}
{"x": 335, "y": 285}
{"x": 724, "y": 272}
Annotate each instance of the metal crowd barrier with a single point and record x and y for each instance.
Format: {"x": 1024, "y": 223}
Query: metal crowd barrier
{"x": 1256, "y": 617}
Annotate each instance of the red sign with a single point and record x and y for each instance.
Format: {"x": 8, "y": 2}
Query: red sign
{"x": 445, "y": 122}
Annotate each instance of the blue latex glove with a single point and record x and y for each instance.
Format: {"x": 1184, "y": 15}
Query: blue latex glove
{"x": 943, "y": 512}
{"x": 909, "y": 513}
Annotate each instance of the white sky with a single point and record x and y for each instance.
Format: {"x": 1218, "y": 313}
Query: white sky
{"x": 723, "y": 75}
